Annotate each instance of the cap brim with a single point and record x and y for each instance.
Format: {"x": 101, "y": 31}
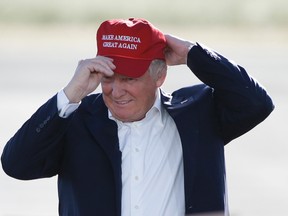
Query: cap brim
{"x": 130, "y": 67}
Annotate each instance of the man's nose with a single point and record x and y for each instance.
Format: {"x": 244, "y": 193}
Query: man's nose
{"x": 118, "y": 88}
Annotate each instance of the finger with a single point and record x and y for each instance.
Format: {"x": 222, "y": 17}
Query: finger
{"x": 104, "y": 65}
{"x": 101, "y": 69}
{"x": 106, "y": 60}
{"x": 99, "y": 64}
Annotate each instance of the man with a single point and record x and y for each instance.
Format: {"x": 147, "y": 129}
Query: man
{"x": 133, "y": 149}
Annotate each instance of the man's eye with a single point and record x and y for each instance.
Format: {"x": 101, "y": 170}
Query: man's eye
{"x": 129, "y": 79}
{"x": 107, "y": 78}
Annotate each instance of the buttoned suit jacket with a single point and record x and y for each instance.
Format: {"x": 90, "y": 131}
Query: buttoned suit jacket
{"x": 83, "y": 150}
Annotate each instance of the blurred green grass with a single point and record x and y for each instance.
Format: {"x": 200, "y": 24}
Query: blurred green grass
{"x": 192, "y": 12}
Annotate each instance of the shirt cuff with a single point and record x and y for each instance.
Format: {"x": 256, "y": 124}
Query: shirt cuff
{"x": 65, "y": 109}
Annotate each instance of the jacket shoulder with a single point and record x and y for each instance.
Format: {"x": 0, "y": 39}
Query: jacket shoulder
{"x": 187, "y": 94}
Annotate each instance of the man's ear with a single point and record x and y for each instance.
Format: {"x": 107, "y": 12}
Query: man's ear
{"x": 161, "y": 76}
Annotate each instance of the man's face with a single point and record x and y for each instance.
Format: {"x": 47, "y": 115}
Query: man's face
{"x": 129, "y": 99}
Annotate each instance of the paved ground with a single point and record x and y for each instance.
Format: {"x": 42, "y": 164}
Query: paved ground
{"x": 36, "y": 63}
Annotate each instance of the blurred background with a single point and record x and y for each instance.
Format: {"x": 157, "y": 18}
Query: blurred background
{"x": 41, "y": 43}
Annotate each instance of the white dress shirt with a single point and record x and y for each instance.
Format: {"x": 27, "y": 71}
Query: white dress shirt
{"x": 152, "y": 164}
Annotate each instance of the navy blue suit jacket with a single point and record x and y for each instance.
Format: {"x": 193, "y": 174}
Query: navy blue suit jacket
{"x": 83, "y": 149}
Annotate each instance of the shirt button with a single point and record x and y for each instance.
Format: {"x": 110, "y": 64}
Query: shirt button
{"x": 136, "y": 178}
{"x": 137, "y": 150}
{"x": 136, "y": 207}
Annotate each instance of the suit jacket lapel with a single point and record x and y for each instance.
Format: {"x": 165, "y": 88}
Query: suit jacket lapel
{"x": 187, "y": 125}
{"x": 105, "y": 132}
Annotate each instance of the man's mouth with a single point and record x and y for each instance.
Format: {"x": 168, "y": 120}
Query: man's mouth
{"x": 122, "y": 102}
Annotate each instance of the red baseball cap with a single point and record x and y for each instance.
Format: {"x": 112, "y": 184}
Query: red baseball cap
{"x": 132, "y": 43}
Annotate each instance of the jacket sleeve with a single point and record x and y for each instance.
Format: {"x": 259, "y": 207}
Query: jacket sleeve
{"x": 35, "y": 150}
{"x": 240, "y": 101}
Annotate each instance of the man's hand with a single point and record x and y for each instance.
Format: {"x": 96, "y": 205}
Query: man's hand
{"x": 177, "y": 50}
{"x": 87, "y": 77}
